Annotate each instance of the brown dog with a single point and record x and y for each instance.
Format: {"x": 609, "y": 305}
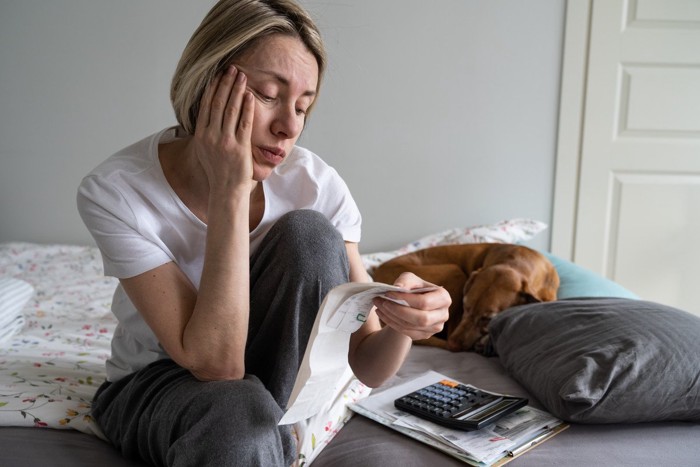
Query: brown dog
{"x": 482, "y": 279}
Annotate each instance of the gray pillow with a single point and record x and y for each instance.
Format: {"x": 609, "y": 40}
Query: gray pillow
{"x": 604, "y": 360}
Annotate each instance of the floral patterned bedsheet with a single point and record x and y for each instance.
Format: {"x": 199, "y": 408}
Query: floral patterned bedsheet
{"x": 50, "y": 371}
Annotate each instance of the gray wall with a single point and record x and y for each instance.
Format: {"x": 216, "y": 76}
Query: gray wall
{"x": 437, "y": 114}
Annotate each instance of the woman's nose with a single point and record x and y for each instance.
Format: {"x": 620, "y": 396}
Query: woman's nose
{"x": 287, "y": 124}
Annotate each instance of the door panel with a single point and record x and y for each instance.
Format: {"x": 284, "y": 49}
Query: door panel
{"x": 638, "y": 196}
{"x": 656, "y": 232}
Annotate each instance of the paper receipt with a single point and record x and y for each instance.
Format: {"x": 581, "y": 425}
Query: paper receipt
{"x": 325, "y": 363}
{"x": 352, "y": 310}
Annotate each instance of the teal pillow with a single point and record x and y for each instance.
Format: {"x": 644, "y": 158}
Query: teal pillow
{"x": 576, "y": 281}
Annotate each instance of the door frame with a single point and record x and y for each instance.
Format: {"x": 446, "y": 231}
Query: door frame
{"x": 572, "y": 106}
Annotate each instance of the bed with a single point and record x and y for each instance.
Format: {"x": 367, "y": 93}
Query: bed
{"x": 55, "y": 330}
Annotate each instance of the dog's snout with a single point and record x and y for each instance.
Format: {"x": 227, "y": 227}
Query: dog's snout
{"x": 483, "y": 323}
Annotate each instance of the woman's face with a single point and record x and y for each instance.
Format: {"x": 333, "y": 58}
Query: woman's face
{"x": 282, "y": 76}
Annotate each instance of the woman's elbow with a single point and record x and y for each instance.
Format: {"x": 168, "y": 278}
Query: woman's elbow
{"x": 366, "y": 377}
{"x": 371, "y": 383}
{"x": 215, "y": 370}
{"x": 215, "y": 374}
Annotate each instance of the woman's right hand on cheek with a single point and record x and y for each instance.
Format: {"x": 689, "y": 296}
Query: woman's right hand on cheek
{"x": 223, "y": 132}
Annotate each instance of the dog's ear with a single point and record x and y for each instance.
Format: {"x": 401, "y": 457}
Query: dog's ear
{"x": 528, "y": 298}
{"x": 535, "y": 295}
{"x": 470, "y": 280}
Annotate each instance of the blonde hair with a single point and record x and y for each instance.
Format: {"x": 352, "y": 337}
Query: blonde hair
{"x": 229, "y": 29}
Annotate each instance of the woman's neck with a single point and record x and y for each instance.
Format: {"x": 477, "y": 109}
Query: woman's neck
{"x": 186, "y": 176}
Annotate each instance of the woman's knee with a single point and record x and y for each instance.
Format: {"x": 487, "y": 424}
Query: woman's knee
{"x": 310, "y": 240}
{"x": 309, "y": 228}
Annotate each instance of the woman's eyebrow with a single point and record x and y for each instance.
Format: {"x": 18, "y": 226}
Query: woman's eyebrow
{"x": 283, "y": 80}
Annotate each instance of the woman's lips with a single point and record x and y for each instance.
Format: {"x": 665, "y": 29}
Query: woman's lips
{"x": 272, "y": 155}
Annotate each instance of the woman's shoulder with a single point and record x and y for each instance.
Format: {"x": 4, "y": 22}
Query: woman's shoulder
{"x": 127, "y": 172}
{"x": 135, "y": 158}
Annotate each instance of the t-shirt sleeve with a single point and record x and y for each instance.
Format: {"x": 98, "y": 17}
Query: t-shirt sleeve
{"x": 106, "y": 213}
{"x": 342, "y": 209}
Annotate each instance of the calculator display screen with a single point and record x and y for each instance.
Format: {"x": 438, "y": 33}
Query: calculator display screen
{"x": 487, "y": 411}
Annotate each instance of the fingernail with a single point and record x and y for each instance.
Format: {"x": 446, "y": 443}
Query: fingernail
{"x": 241, "y": 77}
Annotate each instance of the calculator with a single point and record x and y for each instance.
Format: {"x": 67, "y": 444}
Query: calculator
{"x": 458, "y": 406}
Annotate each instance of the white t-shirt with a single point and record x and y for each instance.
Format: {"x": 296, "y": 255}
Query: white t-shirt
{"x": 139, "y": 223}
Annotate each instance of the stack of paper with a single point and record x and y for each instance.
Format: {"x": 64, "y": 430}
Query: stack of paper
{"x": 501, "y": 441}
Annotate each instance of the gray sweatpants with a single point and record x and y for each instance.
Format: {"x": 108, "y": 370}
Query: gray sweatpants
{"x": 165, "y": 416}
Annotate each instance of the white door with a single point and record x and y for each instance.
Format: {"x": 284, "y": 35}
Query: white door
{"x": 628, "y": 175}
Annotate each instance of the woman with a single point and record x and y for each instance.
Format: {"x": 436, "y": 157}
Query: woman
{"x": 225, "y": 238}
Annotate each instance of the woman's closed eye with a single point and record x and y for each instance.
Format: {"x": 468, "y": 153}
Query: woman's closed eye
{"x": 268, "y": 99}
{"x": 262, "y": 97}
